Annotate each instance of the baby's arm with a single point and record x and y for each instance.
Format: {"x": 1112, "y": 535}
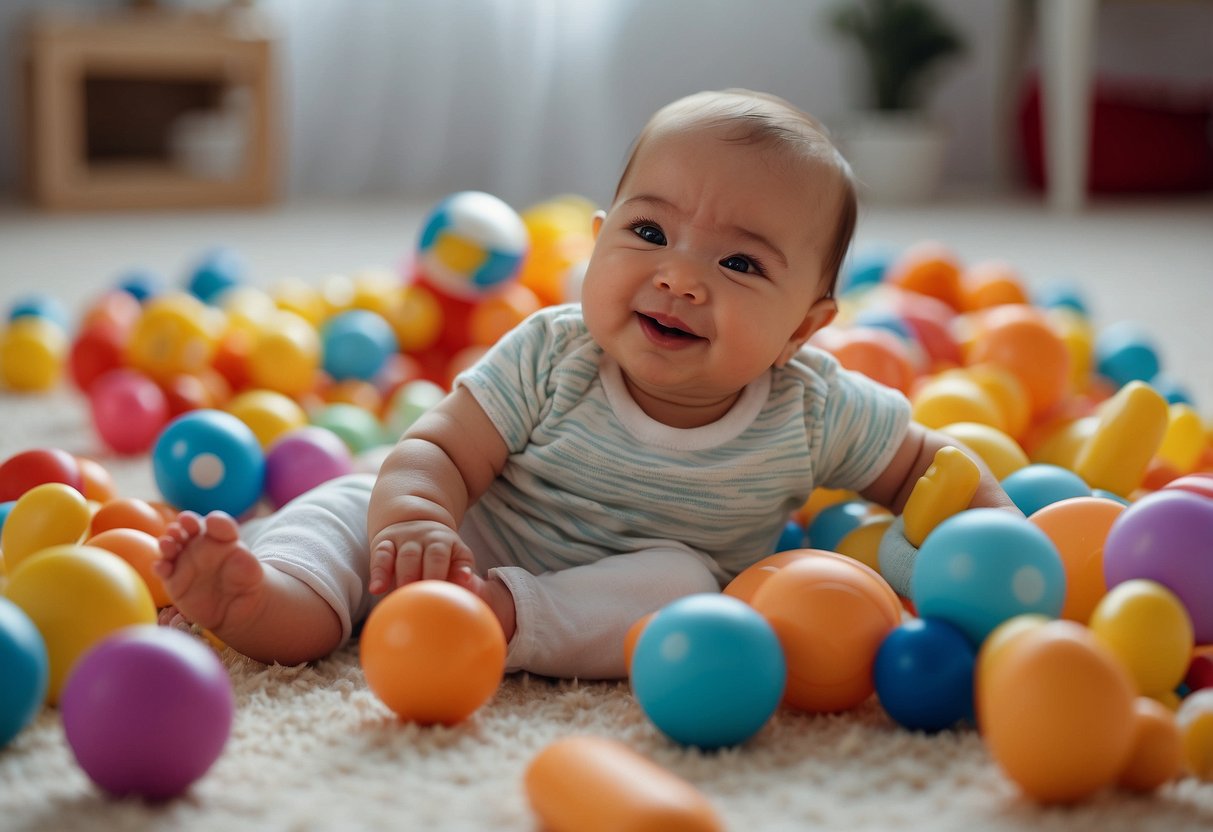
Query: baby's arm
{"x": 892, "y": 488}
{"x": 442, "y": 465}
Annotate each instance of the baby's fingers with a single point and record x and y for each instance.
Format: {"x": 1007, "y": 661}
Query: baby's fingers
{"x": 437, "y": 561}
{"x": 383, "y": 559}
{"x": 408, "y": 563}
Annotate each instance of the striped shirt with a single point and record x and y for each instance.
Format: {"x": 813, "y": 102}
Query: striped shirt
{"x": 590, "y": 475}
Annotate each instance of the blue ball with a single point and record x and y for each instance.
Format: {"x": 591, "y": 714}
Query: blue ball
{"x": 208, "y": 460}
{"x": 864, "y": 269}
{"x": 982, "y": 566}
{"x": 218, "y": 271}
{"x": 885, "y": 319}
{"x": 1125, "y": 352}
{"x": 141, "y": 284}
{"x": 1035, "y": 486}
{"x": 5, "y": 508}
{"x": 1108, "y": 495}
{"x": 1172, "y": 389}
{"x": 708, "y": 670}
{"x": 792, "y": 537}
{"x": 835, "y": 522}
{"x": 40, "y": 306}
{"x": 26, "y": 670}
{"x": 924, "y": 675}
{"x": 356, "y": 344}
{"x": 1062, "y": 294}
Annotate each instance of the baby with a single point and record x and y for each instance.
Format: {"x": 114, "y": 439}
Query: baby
{"x": 605, "y": 459}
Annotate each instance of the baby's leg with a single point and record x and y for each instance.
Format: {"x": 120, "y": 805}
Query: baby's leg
{"x": 572, "y": 623}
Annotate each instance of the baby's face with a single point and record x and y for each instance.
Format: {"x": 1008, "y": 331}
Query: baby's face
{"x": 707, "y": 269}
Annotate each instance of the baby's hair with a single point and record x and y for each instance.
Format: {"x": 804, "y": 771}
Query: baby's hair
{"x": 760, "y": 118}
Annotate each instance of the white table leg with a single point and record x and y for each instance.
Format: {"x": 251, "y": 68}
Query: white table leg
{"x": 1067, "y": 30}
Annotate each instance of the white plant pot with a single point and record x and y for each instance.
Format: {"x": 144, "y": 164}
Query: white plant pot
{"x": 897, "y": 157}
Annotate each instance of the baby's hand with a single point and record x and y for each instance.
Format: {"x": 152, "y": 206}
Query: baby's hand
{"x": 419, "y": 549}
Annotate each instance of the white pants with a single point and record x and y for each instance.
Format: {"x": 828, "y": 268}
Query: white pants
{"x": 569, "y": 623}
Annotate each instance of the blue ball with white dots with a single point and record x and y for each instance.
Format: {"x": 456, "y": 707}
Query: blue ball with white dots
{"x": 208, "y": 460}
{"x": 1035, "y": 486}
{"x": 982, "y": 566}
{"x": 708, "y": 670}
{"x": 923, "y": 675}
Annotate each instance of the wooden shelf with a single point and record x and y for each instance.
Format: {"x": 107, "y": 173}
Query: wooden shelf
{"x": 103, "y": 93}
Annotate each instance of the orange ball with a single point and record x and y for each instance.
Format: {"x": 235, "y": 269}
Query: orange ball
{"x": 432, "y": 652}
{"x": 990, "y": 283}
{"x": 97, "y": 482}
{"x": 497, "y": 314}
{"x": 1078, "y": 528}
{"x": 1020, "y": 339}
{"x": 878, "y": 354}
{"x": 746, "y": 582}
{"x": 1157, "y": 755}
{"x": 141, "y": 551}
{"x": 1057, "y": 713}
{"x": 632, "y": 636}
{"x": 928, "y": 268}
{"x": 128, "y": 513}
{"x": 831, "y": 615}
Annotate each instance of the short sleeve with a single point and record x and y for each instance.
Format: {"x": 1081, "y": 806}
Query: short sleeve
{"x": 862, "y": 426}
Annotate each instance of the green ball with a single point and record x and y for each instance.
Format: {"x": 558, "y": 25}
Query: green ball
{"x": 358, "y": 428}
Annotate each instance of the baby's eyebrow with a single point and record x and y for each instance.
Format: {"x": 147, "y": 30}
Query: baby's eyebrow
{"x": 739, "y": 230}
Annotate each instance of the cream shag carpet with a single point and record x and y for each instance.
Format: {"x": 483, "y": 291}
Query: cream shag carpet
{"x": 313, "y": 749}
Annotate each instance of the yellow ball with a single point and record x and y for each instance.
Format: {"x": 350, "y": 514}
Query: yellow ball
{"x": 1149, "y": 630}
{"x": 268, "y": 414}
{"x": 953, "y": 397}
{"x": 47, "y": 515}
{"x": 1001, "y": 454}
{"x": 1195, "y": 720}
{"x": 285, "y": 355}
{"x": 175, "y": 334}
{"x": 76, "y": 596}
{"x": 293, "y": 294}
{"x": 32, "y": 352}
{"x": 416, "y": 318}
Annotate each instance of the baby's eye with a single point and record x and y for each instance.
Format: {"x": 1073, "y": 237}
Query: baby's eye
{"x": 649, "y": 233}
{"x": 739, "y": 263}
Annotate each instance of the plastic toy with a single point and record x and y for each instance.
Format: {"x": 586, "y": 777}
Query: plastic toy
{"x": 416, "y": 319}
{"x": 708, "y": 671}
{"x": 1195, "y": 720}
{"x": 924, "y": 675}
{"x": 1001, "y": 454}
{"x": 46, "y": 515}
{"x": 147, "y": 712}
{"x": 32, "y": 354}
{"x": 128, "y": 513}
{"x": 929, "y": 268}
{"x": 947, "y": 486}
{"x": 285, "y": 355}
{"x": 1056, "y": 713}
{"x": 1021, "y": 340}
{"x": 1200, "y": 672}
{"x": 1157, "y": 755}
{"x": 835, "y": 522}
{"x": 129, "y": 410}
{"x": 863, "y": 269}
{"x": 1199, "y": 484}
{"x": 95, "y": 351}
{"x": 863, "y": 542}
{"x": 141, "y": 284}
{"x": 831, "y": 615}
{"x": 432, "y": 652}
{"x": 1078, "y": 335}
{"x": 37, "y": 305}
{"x": 632, "y": 636}
{"x": 267, "y": 413}
{"x": 593, "y": 784}
{"x": 209, "y": 460}
{"x": 357, "y": 392}
{"x": 97, "y": 482}
{"x": 1130, "y": 429}
{"x": 176, "y": 333}
{"x": 990, "y": 283}
{"x": 1078, "y": 528}
{"x": 22, "y": 471}
{"x": 954, "y": 397}
{"x": 983, "y": 566}
{"x": 300, "y": 460}
{"x": 793, "y": 536}
{"x": 1149, "y": 630}
{"x": 115, "y": 309}
{"x": 355, "y": 344}
{"x": 1164, "y": 537}
{"x": 561, "y": 234}
{"x": 1184, "y": 441}
{"x": 141, "y": 551}
{"x": 26, "y": 670}
{"x": 1061, "y": 294}
{"x": 1125, "y": 352}
{"x": 76, "y": 596}
{"x": 1033, "y": 487}
{"x": 471, "y": 245}
{"x": 746, "y": 582}
{"x": 358, "y": 428}
{"x": 217, "y": 272}
{"x": 497, "y": 314}
{"x": 878, "y": 354}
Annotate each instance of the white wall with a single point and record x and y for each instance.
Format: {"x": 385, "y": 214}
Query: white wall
{"x": 528, "y": 98}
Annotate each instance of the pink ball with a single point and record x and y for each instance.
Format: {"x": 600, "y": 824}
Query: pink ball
{"x": 303, "y": 459}
{"x": 129, "y": 410}
{"x": 147, "y": 711}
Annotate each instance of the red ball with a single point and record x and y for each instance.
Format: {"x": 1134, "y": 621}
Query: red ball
{"x": 22, "y": 471}
{"x": 96, "y": 350}
{"x": 129, "y": 410}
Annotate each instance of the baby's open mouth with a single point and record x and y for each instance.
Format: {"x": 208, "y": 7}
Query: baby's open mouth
{"x": 665, "y": 330}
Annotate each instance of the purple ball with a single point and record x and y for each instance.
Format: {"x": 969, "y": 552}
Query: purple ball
{"x": 147, "y": 711}
{"x": 1167, "y": 537}
{"x": 301, "y": 460}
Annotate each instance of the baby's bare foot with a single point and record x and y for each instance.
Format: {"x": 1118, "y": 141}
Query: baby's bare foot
{"x": 213, "y": 578}
{"x": 494, "y": 593}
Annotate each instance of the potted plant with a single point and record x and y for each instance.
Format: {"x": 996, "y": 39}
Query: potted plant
{"x": 894, "y": 145}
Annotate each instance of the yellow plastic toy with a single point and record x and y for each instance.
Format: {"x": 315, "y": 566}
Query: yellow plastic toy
{"x": 32, "y": 353}
{"x": 946, "y": 488}
{"x": 954, "y": 397}
{"x": 285, "y": 355}
{"x": 268, "y": 413}
{"x": 1001, "y": 454}
{"x": 1130, "y": 430}
{"x": 47, "y": 515}
{"x": 1184, "y": 441}
{"x": 1149, "y": 630}
{"x": 176, "y": 333}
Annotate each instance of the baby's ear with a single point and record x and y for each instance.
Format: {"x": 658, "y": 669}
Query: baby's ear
{"x": 819, "y": 316}
{"x": 596, "y": 222}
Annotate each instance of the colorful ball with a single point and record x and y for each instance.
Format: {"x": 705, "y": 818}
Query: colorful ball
{"x": 22, "y": 471}
{"x": 982, "y": 566}
{"x": 175, "y": 334}
{"x": 708, "y": 671}
{"x": 302, "y": 459}
{"x": 76, "y": 596}
{"x": 141, "y": 284}
{"x": 217, "y": 272}
{"x": 147, "y": 712}
{"x": 924, "y": 675}
{"x": 1157, "y": 749}
{"x": 1021, "y": 340}
{"x": 268, "y": 413}
{"x": 1078, "y": 528}
{"x": 1125, "y": 352}
{"x": 208, "y": 460}
{"x": 96, "y": 350}
{"x": 142, "y": 551}
{"x": 47, "y": 515}
{"x": 432, "y": 652}
{"x": 1148, "y": 629}
{"x": 1164, "y": 537}
{"x": 1195, "y": 720}
{"x": 472, "y": 244}
{"x": 356, "y": 344}
{"x": 285, "y": 355}
{"x": 863, "y": 269}
{"x": 33, "y": 351}
{"x": 409, "y": 402}
{"x": 359, "y": 429}
{"x": 129, "y": 410}
{"x": 26, "y": 670}
{"x": 835, "y": 522}
{"x": 1033, "y": 487}
{"x": 38, "y": 305}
